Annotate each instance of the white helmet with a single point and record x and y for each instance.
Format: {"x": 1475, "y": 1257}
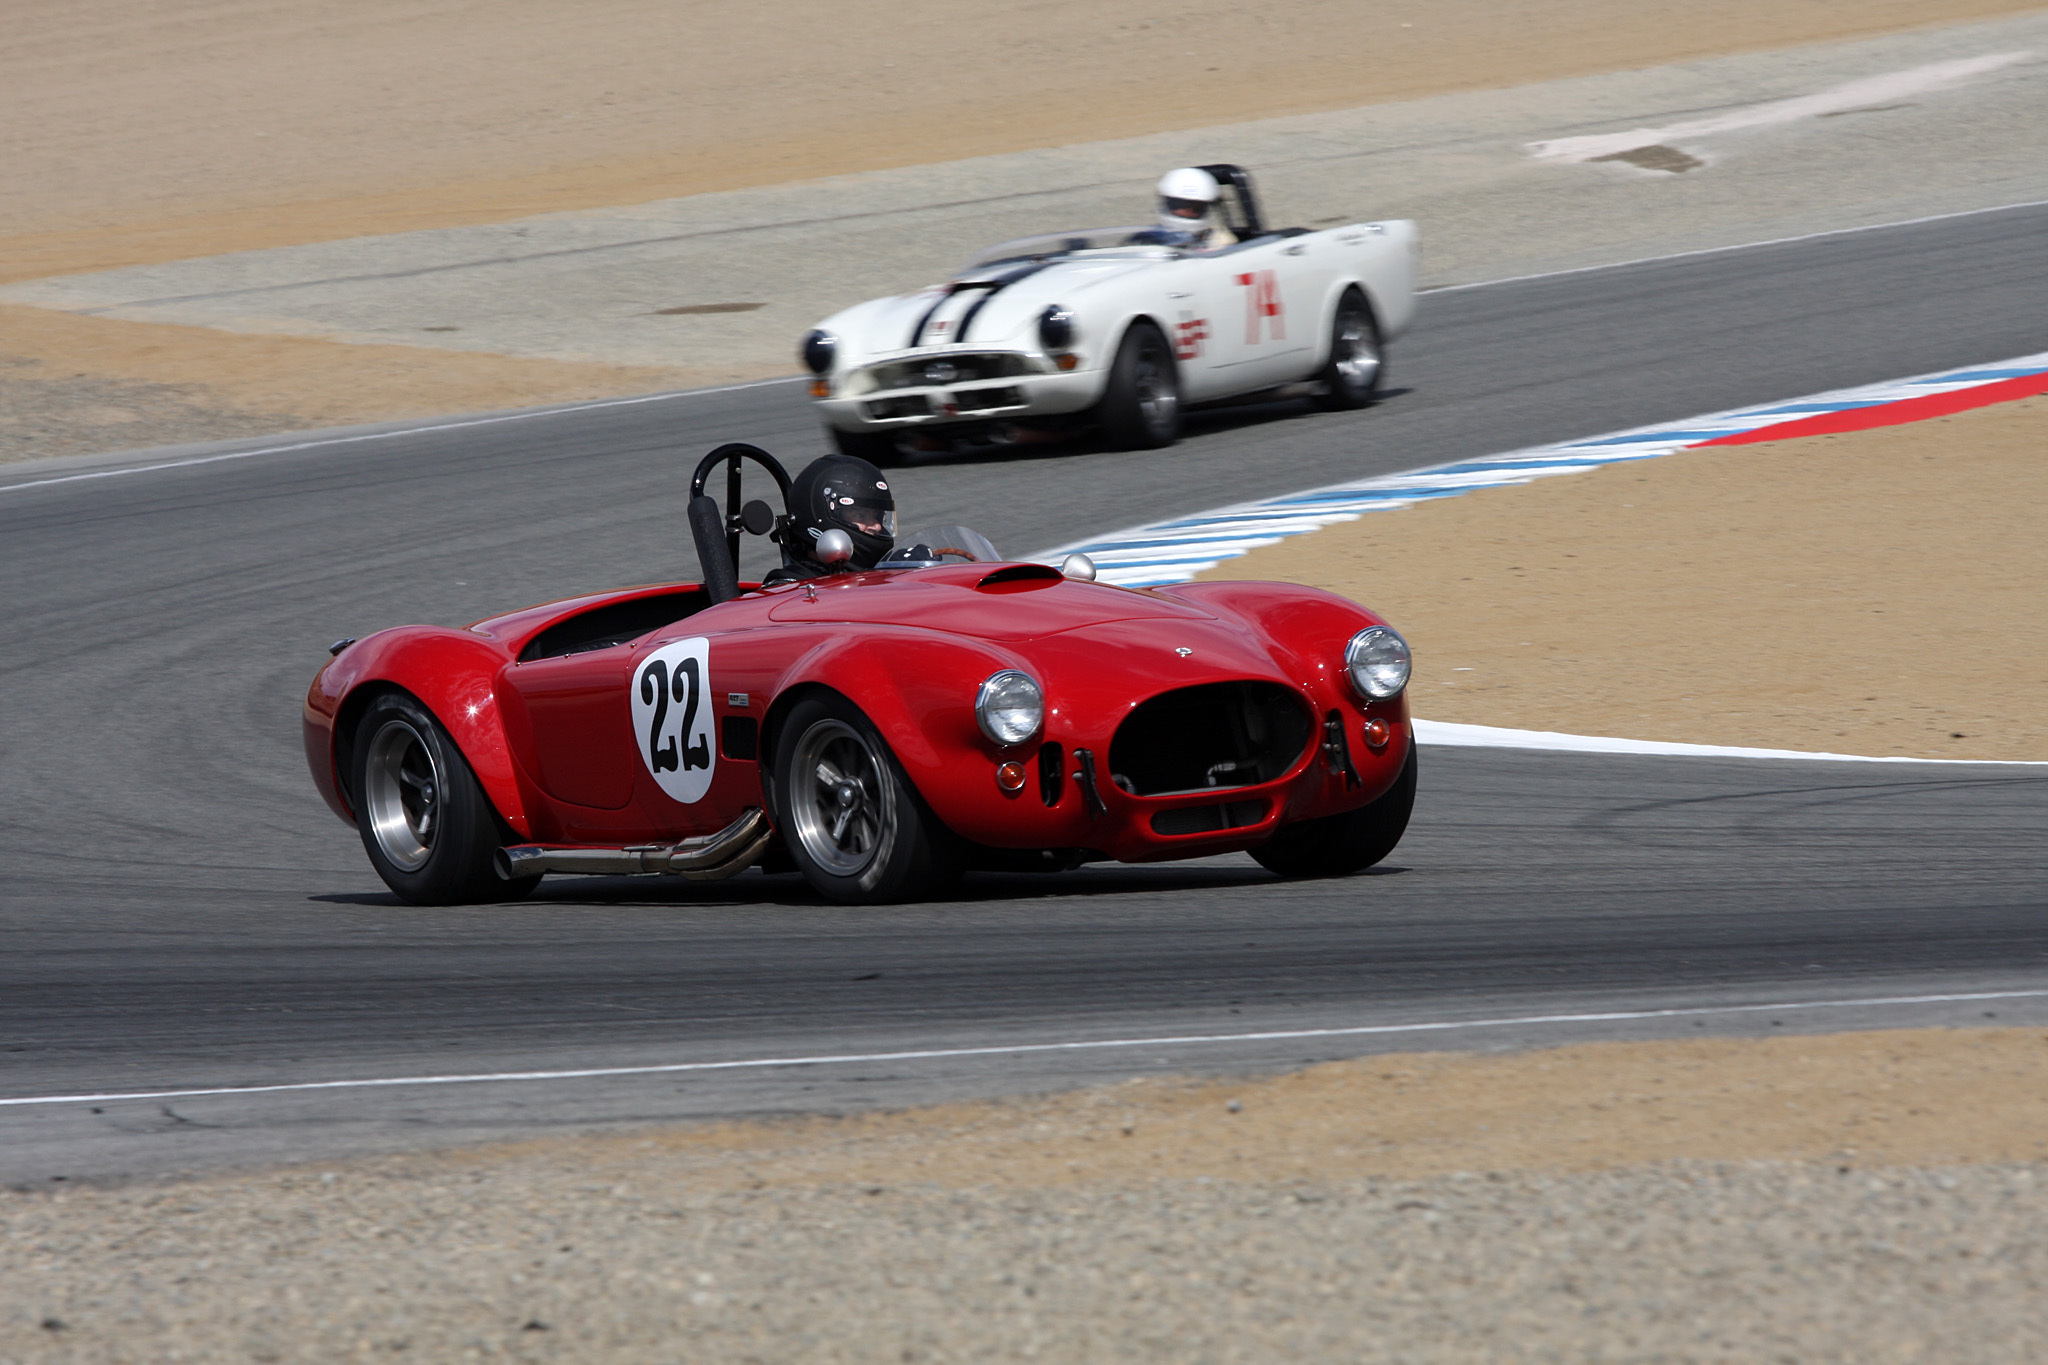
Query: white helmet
{"x": 1187, "y": 198}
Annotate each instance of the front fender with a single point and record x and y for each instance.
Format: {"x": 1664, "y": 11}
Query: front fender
{"x": 918, "y": 689}
{"x": 453, "y": 673}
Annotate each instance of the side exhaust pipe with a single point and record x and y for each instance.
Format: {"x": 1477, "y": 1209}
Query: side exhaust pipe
{"x": 708, "y": 858}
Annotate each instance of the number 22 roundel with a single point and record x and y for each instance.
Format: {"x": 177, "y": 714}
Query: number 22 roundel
{"x": 672, "y": 717}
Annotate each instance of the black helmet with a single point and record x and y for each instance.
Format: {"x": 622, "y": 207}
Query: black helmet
{"x": 840, "y": 492}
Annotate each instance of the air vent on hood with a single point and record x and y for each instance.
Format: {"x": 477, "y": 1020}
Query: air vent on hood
{"x": 1036, "y": 575}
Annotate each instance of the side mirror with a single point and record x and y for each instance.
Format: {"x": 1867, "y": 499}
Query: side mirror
{"x": 834, "y": 547}
{"x": 1078, "y": 566}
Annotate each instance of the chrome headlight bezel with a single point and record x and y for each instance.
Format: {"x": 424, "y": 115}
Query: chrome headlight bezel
{"x": 1003, "y": 692}
{"x": 1378, "y": 662}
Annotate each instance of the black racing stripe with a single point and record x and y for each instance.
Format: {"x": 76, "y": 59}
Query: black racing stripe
{"x": 917, "y": 332}
{"x": 995, "y": 287}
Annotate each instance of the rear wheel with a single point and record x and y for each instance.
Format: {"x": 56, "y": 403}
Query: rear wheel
{"x": 1140, "y": 408}
{"x": 1340, "y": 844}
{"x": 878, "y": 448}
{"x": 852, "y": 822}
{"x": 1351, "y": 379}
{"x": 426, "y": 824}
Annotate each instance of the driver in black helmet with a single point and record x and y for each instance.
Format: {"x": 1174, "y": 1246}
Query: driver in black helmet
{"x": 837, "y": 493}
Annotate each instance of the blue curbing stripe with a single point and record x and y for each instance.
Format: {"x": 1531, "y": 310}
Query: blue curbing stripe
{"x": 1183, "y": 546}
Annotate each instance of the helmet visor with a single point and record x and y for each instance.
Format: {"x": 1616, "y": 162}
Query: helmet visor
{"x": 865, "y": 518}
{"x": 1192, "y": 210}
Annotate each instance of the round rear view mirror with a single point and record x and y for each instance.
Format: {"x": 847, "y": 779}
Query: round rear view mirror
{"x": 834, "y": 547}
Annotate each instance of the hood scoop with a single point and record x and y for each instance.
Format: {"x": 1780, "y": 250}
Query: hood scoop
{"x": 1013, "y": 577}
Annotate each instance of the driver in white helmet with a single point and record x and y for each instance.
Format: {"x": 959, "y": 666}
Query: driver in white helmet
{"x": 1188, "y": 204}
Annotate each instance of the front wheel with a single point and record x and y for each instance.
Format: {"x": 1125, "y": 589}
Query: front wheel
{"x": 1140, "y": 408}
{"x": 1338, "y": 845}
{"x": 852, "y": 822}
{"x": 1351, "y": 378}
{"x": 426, "y": 824}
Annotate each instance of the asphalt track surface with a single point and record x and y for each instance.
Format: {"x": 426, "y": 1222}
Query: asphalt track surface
{"x": 179, "y": 912}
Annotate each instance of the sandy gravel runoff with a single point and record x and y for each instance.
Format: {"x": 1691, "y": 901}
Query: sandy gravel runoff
{"x": 1873, "y": 593}
{"x": 1863, "y": 1197}
{"x": 139, "y": 130}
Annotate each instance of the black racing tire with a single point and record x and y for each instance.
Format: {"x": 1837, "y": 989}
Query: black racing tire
{"x": 1140, "y": 407}
{"x": 1350, "y": 378}
{"x": 852, "y": 822}
{"x": 878, "y": 448}
{"x": 1338, "y": 845}
{"x": 428, "y": 827}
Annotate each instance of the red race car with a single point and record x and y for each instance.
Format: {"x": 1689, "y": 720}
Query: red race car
{"x": 881, "y": 729}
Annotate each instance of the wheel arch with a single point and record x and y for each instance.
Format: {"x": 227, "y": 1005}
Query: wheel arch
{"x": 1327, "y": 316}
{"x": 452, "y": 674}
{"x": 916, "y": 688}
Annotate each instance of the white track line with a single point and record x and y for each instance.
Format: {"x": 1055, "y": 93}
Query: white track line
{"x": 396, "y": 433}
{"x": 1020, "y": 1049}
{"x": 1454, "y": 735}
{"x": 1860, "y": 94}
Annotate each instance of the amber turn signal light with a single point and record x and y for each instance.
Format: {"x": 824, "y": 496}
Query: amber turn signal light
{"x": 1010, "y": 777}
{"x": 821, "y": 388}
{"x": 1068, "y": 361}
{"x": 1377, "y": 733}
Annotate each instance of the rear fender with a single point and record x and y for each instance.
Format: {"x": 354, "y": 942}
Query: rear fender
{"x": 452, "y": 673}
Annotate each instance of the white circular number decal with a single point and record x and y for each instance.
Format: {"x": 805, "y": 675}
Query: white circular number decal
{"x": 672, "y": 717}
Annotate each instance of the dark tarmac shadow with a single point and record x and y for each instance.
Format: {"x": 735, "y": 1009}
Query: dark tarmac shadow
{"x": 788, "y": 890}
{"x": 1197, "y": 425}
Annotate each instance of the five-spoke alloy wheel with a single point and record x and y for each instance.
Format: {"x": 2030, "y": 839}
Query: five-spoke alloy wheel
{"x": 850, "y": 819}
{"x": 1140, "y": 408}
{"x": 1351, "y": 378}
{"x": 426, "y": 824}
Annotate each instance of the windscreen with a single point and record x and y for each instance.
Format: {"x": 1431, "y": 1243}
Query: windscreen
{"x": 940, "y": 545}
{"x": 1054, "y": 244}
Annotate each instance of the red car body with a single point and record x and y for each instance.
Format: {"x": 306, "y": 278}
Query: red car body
{"x": 541, "y": 703}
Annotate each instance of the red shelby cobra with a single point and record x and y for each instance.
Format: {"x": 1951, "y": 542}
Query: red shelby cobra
{"x": 882, "y": 730}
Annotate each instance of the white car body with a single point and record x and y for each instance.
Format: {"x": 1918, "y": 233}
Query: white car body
{"x": 969, "y": 356}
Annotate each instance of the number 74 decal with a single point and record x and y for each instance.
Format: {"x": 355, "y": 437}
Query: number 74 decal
{"x": 1261, "y": 303}
{"x": 672, "y": 717}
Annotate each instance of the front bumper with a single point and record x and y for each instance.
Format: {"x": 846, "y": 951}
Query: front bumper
{"x": 1007, "y": 399}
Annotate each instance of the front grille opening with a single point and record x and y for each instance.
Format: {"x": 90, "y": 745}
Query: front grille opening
{"x": 1207, "y": 819}
{"x": 1218, "y": 735}
{"x": 946, "y": 368}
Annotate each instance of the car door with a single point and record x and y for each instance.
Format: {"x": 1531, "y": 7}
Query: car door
{"x": 1265, "y": 323}
{"x": 577, "y": 715}
{"x": 1191, "y": 294}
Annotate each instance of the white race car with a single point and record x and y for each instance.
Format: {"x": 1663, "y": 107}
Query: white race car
{"x": 1121, "y": 327}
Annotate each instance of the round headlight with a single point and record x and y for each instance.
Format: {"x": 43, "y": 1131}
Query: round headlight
{"x": 1377, "y": 660}
{"x": 1010, "y": 707}
{"x": 818, "y": 350}
{"x": 1056, "y": 328}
